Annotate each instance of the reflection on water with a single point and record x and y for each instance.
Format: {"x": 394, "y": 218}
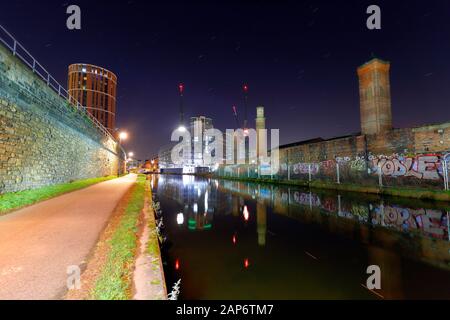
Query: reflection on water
{"x": 233, "y": 240}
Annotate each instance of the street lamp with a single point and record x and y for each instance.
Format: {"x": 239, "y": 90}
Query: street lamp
{"x": 130, "y": 154}
{"x": 122, "y": 136}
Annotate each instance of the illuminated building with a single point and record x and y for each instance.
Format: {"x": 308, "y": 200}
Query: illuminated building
{"x": 95, "y": 89}
{"x": 198, "y": 127}
{"x": 375, "y": 97}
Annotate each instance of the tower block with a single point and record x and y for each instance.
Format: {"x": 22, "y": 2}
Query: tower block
{"x": 375, "y": 97}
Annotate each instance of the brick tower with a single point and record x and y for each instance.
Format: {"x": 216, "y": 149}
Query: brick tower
{"x": 261, "y": 125}
{"x": 375, "y": 97}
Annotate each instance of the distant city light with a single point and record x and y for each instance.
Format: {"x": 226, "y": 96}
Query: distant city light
{"x": 234, "y": 239}
{"x": 123, "y": 135}
{"x": 246, "y": 214}
{"x": 180, "y": 218}
{"x": 177, "y": 265}
{"x": 246, "y": 263}
{"x": 130, "y": 154}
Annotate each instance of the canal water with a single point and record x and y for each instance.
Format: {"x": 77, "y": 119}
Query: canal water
{"x": 235, "y": 240}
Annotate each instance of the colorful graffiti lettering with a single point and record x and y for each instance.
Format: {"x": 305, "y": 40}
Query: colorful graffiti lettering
{"x": 303, "y": 168}
{"x": 359, "y": 164}
{"x": 427, "y": 167}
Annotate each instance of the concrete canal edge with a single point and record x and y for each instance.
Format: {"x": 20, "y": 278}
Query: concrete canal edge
{"x": 148, "y": 277}
{"x": 423, "y": 194}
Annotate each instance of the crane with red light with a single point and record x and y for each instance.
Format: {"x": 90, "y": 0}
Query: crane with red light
{"x": 245, "y": 90}
{"x": 181, "y": 127}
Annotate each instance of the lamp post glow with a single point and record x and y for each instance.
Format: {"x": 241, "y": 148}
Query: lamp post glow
{"x": 122, "y": 136}
{"x": 130, "y": 154}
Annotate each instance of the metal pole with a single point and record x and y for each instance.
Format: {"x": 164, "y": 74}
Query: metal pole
{"x": 443, "y": 174}
{"x": 338, "y": 173}
{"x": 118, "y": 158}
{"x": 445, "y": 169}
{"x": 309, "y": 172}
{"x": 289, "y": 171}
{"x": 446, "y": 173}
{"x": 380, "y": 177}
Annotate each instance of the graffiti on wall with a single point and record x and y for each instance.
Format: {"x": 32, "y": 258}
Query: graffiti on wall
{"x": 428, "y": 167}
{"x": 304, "y": 168}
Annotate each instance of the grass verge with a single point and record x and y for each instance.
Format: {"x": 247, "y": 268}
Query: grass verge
{"x": 16, "y": 200}
{"x": 114, "y": 281}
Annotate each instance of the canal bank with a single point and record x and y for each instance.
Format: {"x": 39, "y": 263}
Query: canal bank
{"x": 148, "y": 277}
{"x": 424, "y": 194}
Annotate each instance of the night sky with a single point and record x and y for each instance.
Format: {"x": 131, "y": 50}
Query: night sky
{"x": 299, "y": 59}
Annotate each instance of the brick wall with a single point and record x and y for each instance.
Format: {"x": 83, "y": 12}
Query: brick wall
{"x": 406, "y": 157}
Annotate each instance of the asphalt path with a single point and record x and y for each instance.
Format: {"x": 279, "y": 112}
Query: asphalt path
{"x": 42, "y": 245}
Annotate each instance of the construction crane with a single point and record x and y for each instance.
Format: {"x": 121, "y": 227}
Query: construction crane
{"x": 236, "y": 117}
{"x": 245, "y": 90}
{"x": 181, "y": 128}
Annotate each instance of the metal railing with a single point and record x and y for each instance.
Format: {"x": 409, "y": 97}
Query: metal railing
{"x": 20, "y": 52}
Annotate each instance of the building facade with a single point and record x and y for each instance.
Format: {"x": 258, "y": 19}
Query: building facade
{"x": 95, "y": 88}
{"x": 200, "y": 141}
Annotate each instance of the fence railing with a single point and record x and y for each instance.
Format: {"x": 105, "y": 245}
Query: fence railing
{"x": 433, "y": 176}
{"x": 20, "y": 52}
